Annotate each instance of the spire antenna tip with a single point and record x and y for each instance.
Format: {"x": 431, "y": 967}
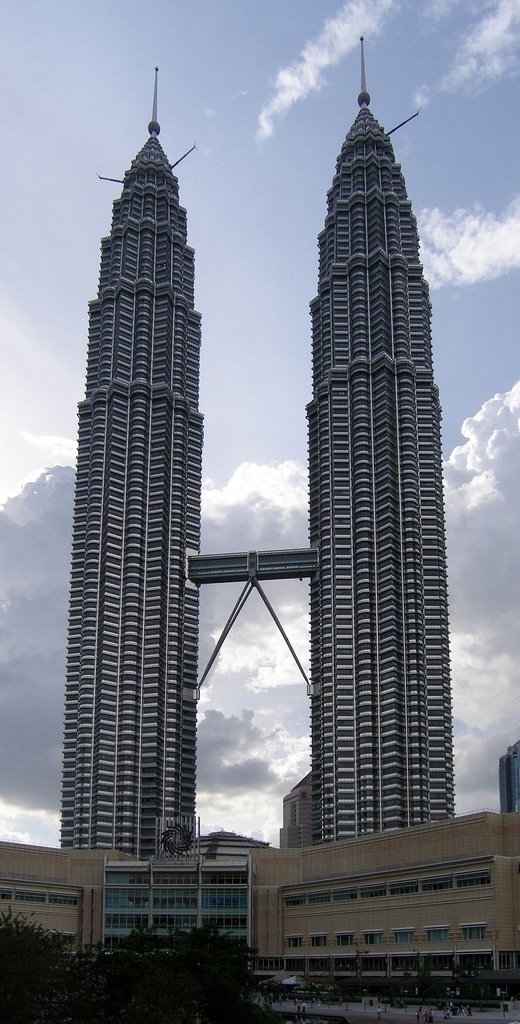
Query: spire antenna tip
{"x": 154, "y": 126}
{"x": 364, "y": 96}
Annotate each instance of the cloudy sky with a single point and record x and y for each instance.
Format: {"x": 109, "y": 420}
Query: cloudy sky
{"x": 267, "y": 91}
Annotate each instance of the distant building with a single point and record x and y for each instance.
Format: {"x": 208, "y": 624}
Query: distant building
{"x": 296, "y": 830}
{"x": 509, "y": 779}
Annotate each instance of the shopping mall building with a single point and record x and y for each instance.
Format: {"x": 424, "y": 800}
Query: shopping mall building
{"x": 364, "y": 910}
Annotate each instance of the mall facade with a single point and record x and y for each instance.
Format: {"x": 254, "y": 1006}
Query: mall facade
{"x": 367, "y": 910}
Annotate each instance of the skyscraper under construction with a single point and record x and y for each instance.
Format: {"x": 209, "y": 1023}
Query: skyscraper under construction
{"x": 381, "y": 705}
{"x": 129, "y": 742}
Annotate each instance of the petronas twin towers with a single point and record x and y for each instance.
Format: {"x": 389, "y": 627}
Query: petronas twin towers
{"x": 380, "y": 689}
{"x": 130, "y": 712}
{"x": 381, "y": 707}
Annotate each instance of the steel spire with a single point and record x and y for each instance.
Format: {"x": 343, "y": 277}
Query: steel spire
{"x": 154, "y": 126}
{"x": 364, "y": 96}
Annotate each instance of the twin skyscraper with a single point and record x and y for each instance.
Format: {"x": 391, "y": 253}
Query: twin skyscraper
{"x": 380, "y": 686}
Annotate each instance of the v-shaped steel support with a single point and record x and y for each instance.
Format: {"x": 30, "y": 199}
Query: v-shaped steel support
{"x": 230, "y": 622}
{"x": 252, "y": 584}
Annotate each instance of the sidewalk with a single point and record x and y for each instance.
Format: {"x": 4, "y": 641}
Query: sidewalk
{"x": 409, "y": 1013}
{"x": 391, "y": 1014}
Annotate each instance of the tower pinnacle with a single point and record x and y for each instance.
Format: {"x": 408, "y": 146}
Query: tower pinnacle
{"x": 364, "y": 96}
{"x": 154, "y": 126}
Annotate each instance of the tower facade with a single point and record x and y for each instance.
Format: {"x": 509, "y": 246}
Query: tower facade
{"x": 129, "y": 742}
{"x": 381, "y": 702}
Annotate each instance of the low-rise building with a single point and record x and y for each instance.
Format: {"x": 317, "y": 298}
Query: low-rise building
{"x": 442, "y": 897}
{"x": 444, "y": 892}
{"x": 60, "y": 889}
{"x": 212, "y": 887}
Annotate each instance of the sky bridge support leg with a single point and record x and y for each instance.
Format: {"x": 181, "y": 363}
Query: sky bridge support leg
{"x": 265, "y": 599}
{"x": 229, "y": 624}
{"x": 251, "y": 583}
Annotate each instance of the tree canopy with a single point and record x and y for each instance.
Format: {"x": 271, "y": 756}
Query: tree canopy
{"x": 196, "y": 977}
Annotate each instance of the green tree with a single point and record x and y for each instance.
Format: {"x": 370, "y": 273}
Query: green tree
{"x": 83, "y": 990}
{"x": 183, "y": 977}
{"x": 197, "y": 977}
{"x": 428, "y": 987}
{"x": 141, "y": 981}
{"x": 223, "y": 970}
{"x": 32, "y": 965}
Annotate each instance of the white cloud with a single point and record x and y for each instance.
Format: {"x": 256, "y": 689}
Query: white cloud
{"x": 482, "y": 500}
{"x": 488, "y": 433}
{"x": 57, "y": 451}
{"x": 468, "y": 246}
{"x": 438, "y": 9}
{"x": 238, "y": 757}
{"x": 476, "y": 757}
{"x": 61, "y": 450}
{"x": 340, "y": 34}
{"x": 280, "y": 488}
{"x": 35, "y": 530}
{"x": 26, "y": 825}
{"x": 259, "y": 652}
{"x": 489, "y": 46}
{"x": 479, "y": 666}
{"x": 489, "y": 50}
{"x": 421, "y": 96}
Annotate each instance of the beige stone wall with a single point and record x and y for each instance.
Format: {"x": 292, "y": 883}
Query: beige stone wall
{"x": 478, "y": 842}
{"x": 482, "y": 842}
{"x": 54, "y": 874}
